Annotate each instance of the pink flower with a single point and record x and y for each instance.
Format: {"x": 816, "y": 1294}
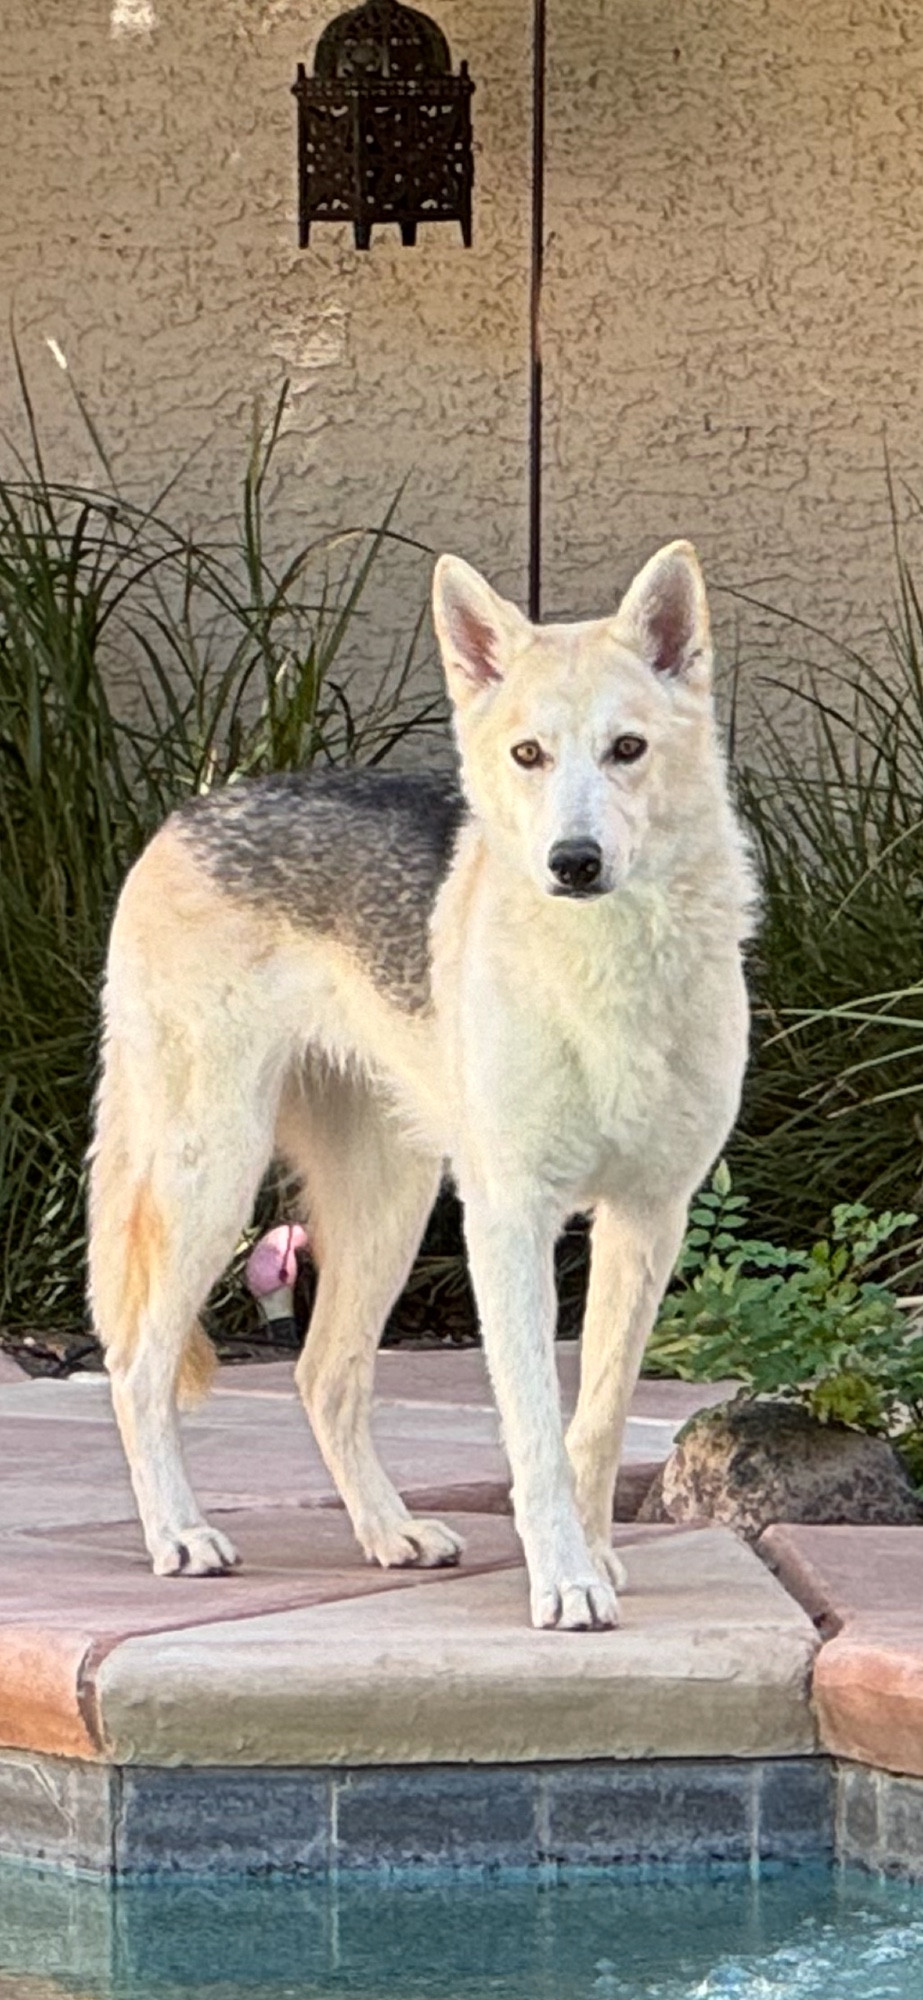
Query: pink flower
{"x": 273, "y": 1261}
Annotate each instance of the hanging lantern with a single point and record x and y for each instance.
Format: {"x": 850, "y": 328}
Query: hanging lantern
{"x": 384, "y": 128}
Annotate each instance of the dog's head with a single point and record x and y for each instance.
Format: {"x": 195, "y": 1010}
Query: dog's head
{"x": 579, "y": 742}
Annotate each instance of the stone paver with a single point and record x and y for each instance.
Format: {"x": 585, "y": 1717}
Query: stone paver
{"x": 713, "y": 1659}
{"x": 291, "y": 1556}
{"x": 69, "y": 1596}
{"x": 288, "y": 1657}
{"x": 43, "y": 1688}
{"x": 841, "y": 1575}
{"x": 868, "y": 1693}
{"x": 418, "y": 1375}
{"x": 864, "y": 1589}
{"x": 246, "y": 1447}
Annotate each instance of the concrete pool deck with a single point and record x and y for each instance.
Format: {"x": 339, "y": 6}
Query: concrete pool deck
{"x": 308, "y": 1661}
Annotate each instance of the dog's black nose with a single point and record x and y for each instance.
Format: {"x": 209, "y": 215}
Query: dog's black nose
{"x": 576, "y": 864}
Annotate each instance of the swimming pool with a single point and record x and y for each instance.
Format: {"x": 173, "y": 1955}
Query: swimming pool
{"x": 806, "y": 1933}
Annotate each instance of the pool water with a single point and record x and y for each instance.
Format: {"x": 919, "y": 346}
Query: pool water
{"x": 801, "y": 1934}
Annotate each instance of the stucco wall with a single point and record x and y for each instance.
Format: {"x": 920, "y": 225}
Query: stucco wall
{"x": 733, "y": 306}
{"x": 736, "y": 211}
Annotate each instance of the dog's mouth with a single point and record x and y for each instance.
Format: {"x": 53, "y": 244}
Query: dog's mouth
{"x": 591, "y": 894}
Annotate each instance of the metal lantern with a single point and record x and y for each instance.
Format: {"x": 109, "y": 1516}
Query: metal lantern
{"x": 384, "y": 128}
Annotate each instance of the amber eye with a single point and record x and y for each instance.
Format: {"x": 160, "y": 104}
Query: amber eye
{"x": 627, "y": 749}
{"x": 529, "y": 754}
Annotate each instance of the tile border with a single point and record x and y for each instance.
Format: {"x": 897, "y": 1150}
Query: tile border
{"x": 879, "y": 1822}
{"x": 59, "y": 1811}
{"x": 114, "y": 1822}
{"x": 119, "y": 1822}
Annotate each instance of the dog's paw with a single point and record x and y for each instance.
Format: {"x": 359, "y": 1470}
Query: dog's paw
{"x": 409, "y": 1544}
{"x": 584, "y": 1605}
{"x": 199, "y": 1551}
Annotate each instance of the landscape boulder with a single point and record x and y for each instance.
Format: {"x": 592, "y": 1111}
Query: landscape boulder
{"x": 748, "y": 1464}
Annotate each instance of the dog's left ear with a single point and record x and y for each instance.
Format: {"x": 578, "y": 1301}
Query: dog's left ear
{"x": 663, "y": 616}
{"x": 476, "y": 629}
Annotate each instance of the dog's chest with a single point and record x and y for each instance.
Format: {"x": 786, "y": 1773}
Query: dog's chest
{"x": 639, "y": 1046}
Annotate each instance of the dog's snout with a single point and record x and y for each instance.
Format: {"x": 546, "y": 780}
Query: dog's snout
{"x": 576, "y": 865}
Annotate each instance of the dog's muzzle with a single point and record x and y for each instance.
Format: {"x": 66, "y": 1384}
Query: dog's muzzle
{"x": 576, "y": 866}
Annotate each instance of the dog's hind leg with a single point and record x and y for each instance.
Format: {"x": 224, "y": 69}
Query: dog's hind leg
{"x": 369, "y": 1193}
{"x": 631, "y": 1261}
{"x": 172, "y": 1183}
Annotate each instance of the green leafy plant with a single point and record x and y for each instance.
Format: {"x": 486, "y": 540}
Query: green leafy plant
{"x": 813, "y": 1326}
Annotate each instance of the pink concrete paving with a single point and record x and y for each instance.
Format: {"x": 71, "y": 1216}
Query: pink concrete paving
{"x": 75, "y": 1588}
{"x": 289, "y": 1557}
{"x": 409, "y": 1377}
{"x": 418, "y": 1375}
{"x": 43, "y": 1684}
{"x": 863, "y": 1587}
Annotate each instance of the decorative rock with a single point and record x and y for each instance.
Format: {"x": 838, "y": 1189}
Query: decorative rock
{"x": 751, "y": 1463}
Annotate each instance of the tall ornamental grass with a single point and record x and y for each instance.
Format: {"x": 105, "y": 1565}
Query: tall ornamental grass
{"x": 833, "y": 1104}
{"x": 138, "y": 665}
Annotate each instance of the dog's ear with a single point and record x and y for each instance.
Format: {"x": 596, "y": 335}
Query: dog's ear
{"x": 476, "y": 629}
{"x": 663, "y": 616}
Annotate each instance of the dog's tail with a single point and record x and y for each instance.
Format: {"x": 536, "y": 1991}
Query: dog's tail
{"x": 197, "y": 1367}
{"x": 128, "y": 1239}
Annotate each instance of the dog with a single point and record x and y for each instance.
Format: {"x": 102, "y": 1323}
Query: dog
{"x": 536, "y": 979}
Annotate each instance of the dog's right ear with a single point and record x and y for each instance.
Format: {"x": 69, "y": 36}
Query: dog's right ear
{"x": 475, "y": 628}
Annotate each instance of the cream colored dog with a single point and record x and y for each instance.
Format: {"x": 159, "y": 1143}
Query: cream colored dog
{"x": 538, "y": 982}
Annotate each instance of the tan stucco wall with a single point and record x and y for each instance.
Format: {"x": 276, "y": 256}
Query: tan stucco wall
{"x": 733, "y": 306}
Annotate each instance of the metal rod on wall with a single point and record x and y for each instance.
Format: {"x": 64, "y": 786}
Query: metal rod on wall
{"x": 535, "y": 310}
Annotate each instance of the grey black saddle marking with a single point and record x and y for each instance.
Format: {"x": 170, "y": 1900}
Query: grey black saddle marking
{"x": 358, "y": 856}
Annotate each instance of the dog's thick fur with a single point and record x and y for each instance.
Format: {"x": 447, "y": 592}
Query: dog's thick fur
{"x": 540, "y": 983}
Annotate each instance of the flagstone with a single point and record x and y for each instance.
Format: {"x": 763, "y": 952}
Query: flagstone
{"x": 43, "y": 1689}
{"x": 68, "y": 1595}
{"x": 713, "y": 1659}
{"x": 246, "y": 1450}
{"x": 288, "y": 1556}
{"x": 76, "y": 1590}
{"x": 868, "y": 1694}
{"x": 841, "y": 1574}
{"x": 864, "y": 1586}
{"x": 458, "y": 1375}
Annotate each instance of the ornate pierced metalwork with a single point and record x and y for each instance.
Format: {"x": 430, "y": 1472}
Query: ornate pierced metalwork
{"x": 384, "y": 128}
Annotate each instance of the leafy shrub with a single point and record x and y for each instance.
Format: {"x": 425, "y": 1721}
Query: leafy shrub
{"x": 812, "y": 1326}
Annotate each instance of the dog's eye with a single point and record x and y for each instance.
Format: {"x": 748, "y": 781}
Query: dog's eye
{"x": 626, "y": 749}
{"x": 529, "y": 754}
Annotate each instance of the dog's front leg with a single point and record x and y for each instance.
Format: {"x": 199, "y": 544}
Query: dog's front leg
{"x": 511, "y": 1253}
{"x": 632, "y": 1258}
